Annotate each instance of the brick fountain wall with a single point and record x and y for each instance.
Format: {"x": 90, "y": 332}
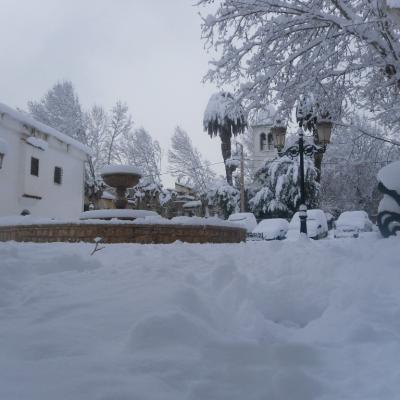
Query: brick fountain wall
{"x": 122, "y": 233}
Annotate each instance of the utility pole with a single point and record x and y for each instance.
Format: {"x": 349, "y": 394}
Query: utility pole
{"x": 242, "y": 208}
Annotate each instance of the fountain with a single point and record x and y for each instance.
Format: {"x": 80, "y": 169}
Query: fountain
{"x": 119, "y": 177}
{"x": 122, "y": 225}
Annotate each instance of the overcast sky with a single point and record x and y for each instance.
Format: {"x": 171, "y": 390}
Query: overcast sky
{"x": 145, "y": 52}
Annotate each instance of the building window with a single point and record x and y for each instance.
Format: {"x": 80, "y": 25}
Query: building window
{"x": 57, "y": 175}
{"x": 263, "y": 141}
{"x": 270, "y": 142}
{"x": 34, "y": 166}
{"x": 1, "y": 159}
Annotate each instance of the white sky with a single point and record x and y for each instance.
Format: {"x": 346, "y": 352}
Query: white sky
{"x": 145, "y": 52}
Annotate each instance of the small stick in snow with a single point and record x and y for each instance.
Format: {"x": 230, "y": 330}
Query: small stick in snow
{"x": 97, "y": 242}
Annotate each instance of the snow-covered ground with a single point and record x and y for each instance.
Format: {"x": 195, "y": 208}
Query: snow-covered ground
{"x": 263, "y": 320}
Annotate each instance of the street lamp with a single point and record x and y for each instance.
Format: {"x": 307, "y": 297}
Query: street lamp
{"x": 301, "y": 148}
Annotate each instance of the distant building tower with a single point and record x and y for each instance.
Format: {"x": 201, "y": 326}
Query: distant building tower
{"x": 262, "y": 139}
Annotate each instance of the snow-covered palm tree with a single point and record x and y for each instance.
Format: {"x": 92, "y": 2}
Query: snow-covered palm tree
{"x": 224, "y": 116}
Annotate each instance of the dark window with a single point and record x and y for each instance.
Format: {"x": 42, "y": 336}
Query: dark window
{"x": 34, "y": 166}
{"x": 263, "y": 141}
{"x": 57, "y": 175}
{"x": 1, "y": 160}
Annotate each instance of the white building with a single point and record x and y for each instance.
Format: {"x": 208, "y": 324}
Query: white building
{"x": 263, "y": 147}
{"x": 41, "y": 169}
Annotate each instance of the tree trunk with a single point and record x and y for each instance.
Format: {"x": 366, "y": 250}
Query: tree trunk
{"x": 226, "y": 153}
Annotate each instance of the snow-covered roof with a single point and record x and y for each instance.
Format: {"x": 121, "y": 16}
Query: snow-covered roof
{"x": 36, "y": 142}
{"x": 107, "y": 196}
{"x": 26, "y": 119}
{"x": 192, "y": 204}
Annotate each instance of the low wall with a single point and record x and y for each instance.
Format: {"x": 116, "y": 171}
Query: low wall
{"x": 122, "y": 233}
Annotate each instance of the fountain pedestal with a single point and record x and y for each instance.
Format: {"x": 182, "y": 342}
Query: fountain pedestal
{"x": 120, "y": 177}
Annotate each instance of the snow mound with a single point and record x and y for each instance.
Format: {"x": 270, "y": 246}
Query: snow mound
{"x": 261, "y": 320}
{"x": 117, "y": 213}
{"x": 36, "y": 142}
{"x": 390, "y": 176}
{"x": 120, "y": 169}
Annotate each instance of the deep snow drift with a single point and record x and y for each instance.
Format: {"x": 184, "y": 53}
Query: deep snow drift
{"x": 279, "y": 320}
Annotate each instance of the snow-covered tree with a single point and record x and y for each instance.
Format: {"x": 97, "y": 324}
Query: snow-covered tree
{"x": 352, "y": 162}
{"x": 138, "y": 148}
{"x": 347, "y": 52}
{"x": 120, "y": 125}
{"x": 277, "y": 188}
{"x": 97, "y": 132}
{"x": 60, "y": 108}
{"x": 187, "y": 164}
{"x": 224, "y": 116}
{"x": 225, "y": 197}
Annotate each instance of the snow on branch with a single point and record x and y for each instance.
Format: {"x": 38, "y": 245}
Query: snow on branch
{"x": 348, "y": 52}
{"x": 224, "y": 110}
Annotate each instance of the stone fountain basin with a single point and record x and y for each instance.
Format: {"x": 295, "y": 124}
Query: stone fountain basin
{"x": 143, "y": 230}
{"x": 121, "y": 180}
{"x": 121, "y": 175}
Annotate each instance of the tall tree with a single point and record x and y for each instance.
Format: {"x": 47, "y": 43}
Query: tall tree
{"x": 346, "y": 51}
{"x": 60, "y": 108}
{"x": 139, "y": 148}
{"x": 187, "y": 164}
{"x": 97, "y": 133}
{"x": 120, "y": 125}
{"x": 224, "y": 116}
{"x": 351, "y": 164}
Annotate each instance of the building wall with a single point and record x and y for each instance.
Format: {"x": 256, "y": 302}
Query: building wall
{"x": 20, "y": 190}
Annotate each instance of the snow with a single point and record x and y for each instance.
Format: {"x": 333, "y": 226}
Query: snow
{"x": 316, "y": 224}
{"x": 107, "y": 196}
{"x": 390, "y": 176}
{"x": 220, "y": 107}
{"x": 26, "y": 119}
{"x": 355, "y": 219}
{"x": 388, "y": 204}
{"x": 192, "y": 204}
{"x": 232, "y": 162}
{"x": 3, "y": 146}
{"x": 245, "y": 219}
{"x": 120, "y": 169}
{"x": 393, "y": 3}
{"x": 37, "y": 142}
{"x": 264, "y": 116}
{"x": 142, "y": 217}
{"x": 117, "y": 213}
{"x": 174, "y": 322}
{"x": 272, "y": 228}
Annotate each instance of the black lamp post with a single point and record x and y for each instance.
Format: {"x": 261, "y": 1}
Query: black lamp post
{"x": 301, "y": 148}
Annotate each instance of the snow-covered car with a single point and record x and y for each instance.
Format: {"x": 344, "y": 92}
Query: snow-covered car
{"x": 317, "y": 225}
{"x": 351, "y": 223}
{"x": 247, "y": 220}
{"x": 270, "y": 229}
